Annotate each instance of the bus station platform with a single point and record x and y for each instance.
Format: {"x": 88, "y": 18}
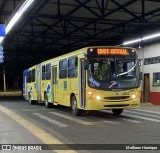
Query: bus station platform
{"x": 18, "y": 134}
{"x": 13, "y": 133}
{"x": 11, "y": 93}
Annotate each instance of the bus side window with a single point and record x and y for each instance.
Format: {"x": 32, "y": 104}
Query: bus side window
{"x": 63, "y": 65}
{"x": 72, "y": 67}
{"x": 33, "y": 76}
{"x": 48, "y": 71}
{"x": 43, "y": 72}
{"x": 30, "y": 75}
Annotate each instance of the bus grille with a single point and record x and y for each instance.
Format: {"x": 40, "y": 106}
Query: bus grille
{"x": 116, "y": 98}
{"x": 116, "y": 105}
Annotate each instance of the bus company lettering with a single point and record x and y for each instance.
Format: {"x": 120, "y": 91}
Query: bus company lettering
{"x": 112, "y": 51}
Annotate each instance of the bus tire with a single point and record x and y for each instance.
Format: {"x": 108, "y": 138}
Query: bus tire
{"x": 47, "y": 104}
{"x": 74, "y": 106}
{"x": 117, "y": 111}
{"x": 30, "y": 99}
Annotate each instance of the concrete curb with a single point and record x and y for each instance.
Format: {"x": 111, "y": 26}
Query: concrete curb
{"x": 11, "y": 93}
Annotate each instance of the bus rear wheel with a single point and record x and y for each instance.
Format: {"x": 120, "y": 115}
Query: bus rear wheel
{"x": 47, "y": 104}
{"x": 30, "y": 99}
{"x": 117, "y": 111}
{"x": 74, "y": 106}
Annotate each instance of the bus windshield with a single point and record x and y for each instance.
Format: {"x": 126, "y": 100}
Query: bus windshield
{"x": 114, "y": 73}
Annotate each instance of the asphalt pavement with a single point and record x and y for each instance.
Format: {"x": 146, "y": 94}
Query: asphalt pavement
{"x": 98, "y": 131}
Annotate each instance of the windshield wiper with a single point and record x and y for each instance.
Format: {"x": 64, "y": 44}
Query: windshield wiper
{"x": 128, "y": 70}
{"x": 114, "y": 82}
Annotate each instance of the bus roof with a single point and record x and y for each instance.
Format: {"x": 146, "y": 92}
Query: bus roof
{"x": 76, "y": 52}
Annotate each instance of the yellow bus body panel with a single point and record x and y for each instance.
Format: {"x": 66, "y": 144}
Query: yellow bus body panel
{"x": 114, "y": 99}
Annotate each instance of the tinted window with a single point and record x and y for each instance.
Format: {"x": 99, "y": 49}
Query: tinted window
{"x": 43, "y": 72}
{"x": 33, "y": 75}
{"x": 63, "y": 68}
{"x": 63, "y": 74}
{"x": 72, "y": 62}
{"x": 72, "y": 67}
{"x": 48, "y": 72}
{"x": 30, "y": 74}
{"x": 63, "y": 64}
{"x": 72, "y": 73}
{"x": 27, "y": 77}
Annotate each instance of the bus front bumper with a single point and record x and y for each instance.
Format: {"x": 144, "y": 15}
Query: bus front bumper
{"x": 93, "y": 104}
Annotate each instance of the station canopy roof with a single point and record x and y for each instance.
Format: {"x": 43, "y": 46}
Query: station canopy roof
{"x": 54, "y": 27}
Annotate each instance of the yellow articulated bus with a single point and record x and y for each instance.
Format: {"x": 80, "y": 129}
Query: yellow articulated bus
{"x": 91, "y": 78}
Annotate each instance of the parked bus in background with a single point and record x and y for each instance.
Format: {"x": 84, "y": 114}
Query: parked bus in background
{"x": 91, "y": 78}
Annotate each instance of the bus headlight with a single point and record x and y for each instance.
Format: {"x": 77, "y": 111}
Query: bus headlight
{"x": 133, "y": 96}
{"x": 90, "y": 92}
{"x": 98, "y": 97}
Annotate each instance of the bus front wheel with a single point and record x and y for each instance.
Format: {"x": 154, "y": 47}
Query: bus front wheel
{"x": 47, "y": 104}
{"x": 74, "y": 106}
{"x": 117, "y": 111}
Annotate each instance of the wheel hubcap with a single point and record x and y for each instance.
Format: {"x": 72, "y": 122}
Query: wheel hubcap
{"x": 74, "y": 105}
{"x": 46, "y": 102}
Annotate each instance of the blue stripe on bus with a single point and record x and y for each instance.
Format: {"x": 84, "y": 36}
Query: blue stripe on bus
{"x": 65, "y": 85}
{"x": 25, "y": 72}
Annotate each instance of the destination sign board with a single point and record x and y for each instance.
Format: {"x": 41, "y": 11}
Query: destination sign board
{"x": 112, "y": 51}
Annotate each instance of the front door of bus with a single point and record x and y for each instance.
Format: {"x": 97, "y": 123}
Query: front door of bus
{"x": 83, "y": 86}
{"x": 54, "y": 81}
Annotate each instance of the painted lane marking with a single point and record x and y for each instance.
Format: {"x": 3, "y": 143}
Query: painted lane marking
{"x": 143, "y": 114}
{"x": 111, "y": 122}
{"x": 55, "y": 122}
{"x": 141, "y": 117}
{"x": 131, "y": 120}
{"x": 29, "y": 110}
{"x": 72, "y": 118}
{"x": 125, "y": 119}
{"x": 41, "y": 134}
{"x": 142, "y": 110}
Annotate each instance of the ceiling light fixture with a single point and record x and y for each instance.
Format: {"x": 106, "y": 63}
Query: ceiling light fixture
{"x": 17, "y": 15}
{"x": 141, "y": 39}
{"x": 1, "y": 39}
{"x": 132, "y": 41}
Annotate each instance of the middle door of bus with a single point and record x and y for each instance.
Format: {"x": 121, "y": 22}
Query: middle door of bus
{"x": 54, "y": 82}
{"x": 38, "y": 82}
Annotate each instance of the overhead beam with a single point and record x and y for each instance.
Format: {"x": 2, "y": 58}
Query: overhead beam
{"x": 103, "y": 6}
{"x": 97, "y": 19}
{"x": 124, "y": 8}
{"x": 143, "y": 10}
{"x": 89, "y": 9}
